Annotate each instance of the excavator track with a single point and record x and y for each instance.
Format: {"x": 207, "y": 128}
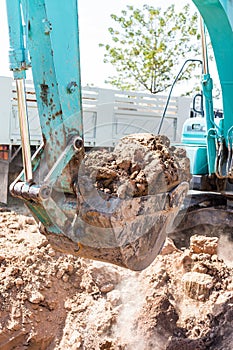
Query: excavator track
{"x": 210, "y": 214}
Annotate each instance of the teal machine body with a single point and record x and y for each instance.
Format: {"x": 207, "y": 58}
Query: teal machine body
{"x": 207, "y": 139}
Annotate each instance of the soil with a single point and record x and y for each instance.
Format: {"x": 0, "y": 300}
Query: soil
{"x": 54, "y": 301}
{"x": 140, "y": 165}
{"x": 182, "y": 301}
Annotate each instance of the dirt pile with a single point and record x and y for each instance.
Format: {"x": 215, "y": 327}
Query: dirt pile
{"x": 139, "y": 165}
{"x": 182, "y": 301}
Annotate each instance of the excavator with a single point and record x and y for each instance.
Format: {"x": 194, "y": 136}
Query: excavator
{"x": 128, "y": 232}
{"x": 207, "y": 136}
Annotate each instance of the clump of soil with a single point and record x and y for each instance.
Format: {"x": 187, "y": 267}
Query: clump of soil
{"x": 51, "y": 301}
{"x": 139, "y": 165}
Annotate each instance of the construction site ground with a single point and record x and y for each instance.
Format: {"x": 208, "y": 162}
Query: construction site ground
{"x": 182, "y": 301}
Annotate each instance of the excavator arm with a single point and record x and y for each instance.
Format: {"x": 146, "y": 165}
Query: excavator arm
{"x": 48, "y": 33}
{"x": 44, "y": 35}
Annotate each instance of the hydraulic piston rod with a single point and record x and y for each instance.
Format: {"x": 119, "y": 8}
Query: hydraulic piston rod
{"x": 24, "y": 129}
{"x": 19, "y": 62}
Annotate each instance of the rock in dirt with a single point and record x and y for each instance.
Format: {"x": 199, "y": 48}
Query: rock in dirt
{"x": 202, "y": 244}
{"x": 197, "y": 285}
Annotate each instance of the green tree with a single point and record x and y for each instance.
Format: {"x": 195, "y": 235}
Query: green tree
{"x": 149, "y": 45}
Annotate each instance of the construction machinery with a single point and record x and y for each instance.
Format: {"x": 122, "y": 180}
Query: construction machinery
{"x": 207, "y": 135}
{"x": 127, "y": 232}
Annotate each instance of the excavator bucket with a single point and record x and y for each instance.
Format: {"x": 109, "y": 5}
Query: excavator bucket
{"x": 123, "y": 202}
{"x": 130, "y": 233}
{"x": 127, "y": 201}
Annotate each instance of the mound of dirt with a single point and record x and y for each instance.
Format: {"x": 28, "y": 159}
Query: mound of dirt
{"x": 51, "y": 301}
{"x": 140, "y": 165}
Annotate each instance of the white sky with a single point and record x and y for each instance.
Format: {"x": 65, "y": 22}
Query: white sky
{"x": 94, "y": 20}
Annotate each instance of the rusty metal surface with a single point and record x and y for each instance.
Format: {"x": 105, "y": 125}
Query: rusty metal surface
{"x": 205, "y": 216}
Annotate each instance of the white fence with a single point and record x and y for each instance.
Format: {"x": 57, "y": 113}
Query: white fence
{"x": 107, "y": 114}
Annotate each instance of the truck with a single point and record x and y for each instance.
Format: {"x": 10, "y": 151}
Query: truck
{"x": 121, "y": 112}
